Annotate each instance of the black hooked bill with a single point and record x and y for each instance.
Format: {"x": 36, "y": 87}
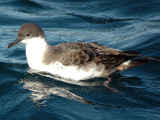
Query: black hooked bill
{"x": 13, "y": 43}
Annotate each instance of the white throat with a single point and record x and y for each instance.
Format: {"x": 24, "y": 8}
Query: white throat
{"x": 35, "y": 49}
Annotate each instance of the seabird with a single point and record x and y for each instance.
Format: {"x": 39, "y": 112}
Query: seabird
{"x": 74, "y": 60}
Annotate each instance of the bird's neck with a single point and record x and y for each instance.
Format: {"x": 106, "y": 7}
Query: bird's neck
{"x": 35, "y": 51}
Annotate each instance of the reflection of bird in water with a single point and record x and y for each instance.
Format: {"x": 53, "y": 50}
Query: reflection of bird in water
{"x": 41, "y": 91}
{"x": 74, "y": 60}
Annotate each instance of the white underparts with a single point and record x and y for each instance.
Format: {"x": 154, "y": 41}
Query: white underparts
{"x": 75, "y": 72}
{"x": 35, "y": 48}
{"x": 71, "y": 72}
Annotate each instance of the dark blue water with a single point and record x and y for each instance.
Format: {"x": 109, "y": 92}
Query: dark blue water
{"x": 120, "y": 24}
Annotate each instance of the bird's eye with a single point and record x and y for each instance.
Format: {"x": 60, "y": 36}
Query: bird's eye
{"x": 28, "y": 35}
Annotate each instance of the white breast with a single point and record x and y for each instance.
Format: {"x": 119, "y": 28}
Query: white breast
{"x": 35, "y": 48}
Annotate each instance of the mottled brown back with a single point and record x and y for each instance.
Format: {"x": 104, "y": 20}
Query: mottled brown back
{"x": 81, "y": 53}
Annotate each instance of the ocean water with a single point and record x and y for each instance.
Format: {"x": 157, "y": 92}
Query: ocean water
{"x": 120, "y": 24}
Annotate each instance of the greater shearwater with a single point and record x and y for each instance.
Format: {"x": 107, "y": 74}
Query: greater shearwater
{"x": 74, "y": 60}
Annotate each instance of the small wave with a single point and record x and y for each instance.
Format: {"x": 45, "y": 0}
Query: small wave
{"x": 26, "y": 3}
{"x": 99, "y": 20}
{"x": 12, "y": 68}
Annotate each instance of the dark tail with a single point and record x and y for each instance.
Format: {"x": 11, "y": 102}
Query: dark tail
{"x": 132, "y": 53}
{"x": 136, "y": 62}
